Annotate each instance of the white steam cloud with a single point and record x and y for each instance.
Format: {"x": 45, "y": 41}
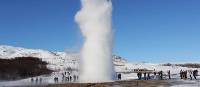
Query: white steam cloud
{"x": 94, "y": 20}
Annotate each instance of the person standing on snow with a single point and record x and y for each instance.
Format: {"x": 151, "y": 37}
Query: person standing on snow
{"x": 145, "y": 76}
{"x": 195, "y": 73}
{"x": 190, "y": 73}
{"x": 119, "y": 76}
{"x": 169, "y": 74}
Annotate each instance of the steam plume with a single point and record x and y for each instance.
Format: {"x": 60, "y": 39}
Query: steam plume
{"x": 94, "y": 20}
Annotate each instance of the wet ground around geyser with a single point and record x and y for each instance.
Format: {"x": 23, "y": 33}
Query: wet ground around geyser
{"x": 132, "y": 83}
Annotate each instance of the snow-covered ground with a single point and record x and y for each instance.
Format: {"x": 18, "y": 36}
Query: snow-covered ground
{"x": 41, "y": 80}
{"x": 61, "y": 62}
{"x": 186, "y": 83}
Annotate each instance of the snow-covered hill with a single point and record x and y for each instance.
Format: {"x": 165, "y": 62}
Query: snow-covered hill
{"x": 56, "y": 60}
{"x": 12, "y": 52}
{"x": 62, "y": 60}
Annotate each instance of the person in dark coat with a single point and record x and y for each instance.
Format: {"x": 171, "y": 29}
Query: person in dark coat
{"x": 148, "y": 76}
{"x": 154, "y": 75}
{"x": 190, "y": 73}
{"x": 145, "y": 76}
{"x": 181, "y": 74}
{"x": 161, "y": 75}
{"x": 138, "y": 75}
{"x": 169, "y": 74}
{"x": 186, "y": 74}
{"x": 32, "y": 80}
{"x": 56, "y": 79}
{"x": 119, "y": 76}
{"x": 195, "y": 73}
{"x": 36, "y": 80}
{"x": 70, "y": 78}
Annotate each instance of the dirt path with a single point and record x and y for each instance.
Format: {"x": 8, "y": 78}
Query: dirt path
{"x": 132, "y": 83}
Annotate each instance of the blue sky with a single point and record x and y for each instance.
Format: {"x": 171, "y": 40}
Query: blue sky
{"x": 145, "y": 30}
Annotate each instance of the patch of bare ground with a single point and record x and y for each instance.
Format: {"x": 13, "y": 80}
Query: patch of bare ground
{"x": 131, "y": 83}
{"x": 22, "y": 67}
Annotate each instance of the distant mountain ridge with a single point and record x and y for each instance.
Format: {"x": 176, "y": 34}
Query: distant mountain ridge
{"x": 11, "y": 52}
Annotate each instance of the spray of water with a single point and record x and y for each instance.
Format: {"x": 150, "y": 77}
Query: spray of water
{"x": 94, "y": 20}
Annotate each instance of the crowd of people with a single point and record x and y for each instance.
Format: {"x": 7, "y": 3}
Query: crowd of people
{"x": 147, "y": 75}
{"x": 58, "y": 77}
{"x": 67, "y": 77}
{"x": 192, "y": 73}
{"x": 142, "y": 75}
{"x": 36, "y": 80}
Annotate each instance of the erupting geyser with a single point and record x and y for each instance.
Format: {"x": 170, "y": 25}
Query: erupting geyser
{"x": 94, "y": 20}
